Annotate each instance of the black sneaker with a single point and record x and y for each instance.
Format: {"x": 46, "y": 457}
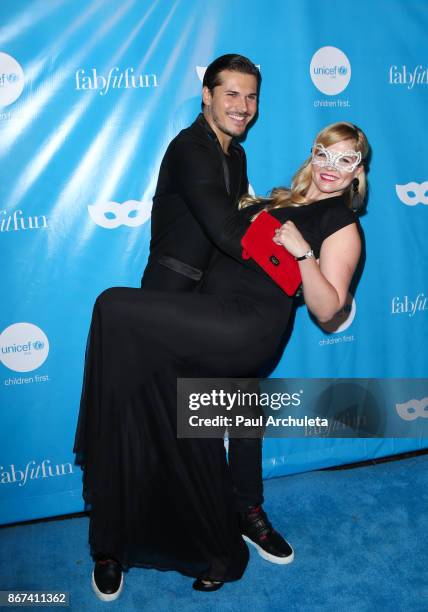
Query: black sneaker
{"x": 257, "y": 530}
{"x": 107, "y": 579}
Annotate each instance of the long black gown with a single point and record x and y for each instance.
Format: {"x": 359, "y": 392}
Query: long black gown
{"x": 158, "y": 501}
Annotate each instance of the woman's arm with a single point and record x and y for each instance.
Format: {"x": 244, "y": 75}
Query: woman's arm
{"x": 325, "y": 284}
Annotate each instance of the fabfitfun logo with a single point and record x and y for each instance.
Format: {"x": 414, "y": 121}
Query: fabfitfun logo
{"x": 405, "y": 305}
{"x": 33, "y": 471}
{"x": 23, "y": 347}
{"x": 17, "y": 221}
{"x": 11, "y": 79}
{"x": 115, "y": 79}
{"x": 408, "y": 77}
{"x": 111, "y": 215}
{"x": 413, "y": 193}
{"x": 330, "y": 70}
{"x": 413, "y": 409}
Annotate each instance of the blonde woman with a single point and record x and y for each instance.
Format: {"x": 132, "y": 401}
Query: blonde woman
{"x": 334, "y": 179}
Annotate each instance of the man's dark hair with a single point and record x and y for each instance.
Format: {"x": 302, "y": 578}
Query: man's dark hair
{"x": 232, "y": 62}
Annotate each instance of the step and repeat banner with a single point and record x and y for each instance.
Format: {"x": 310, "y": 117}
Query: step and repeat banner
{"x": 91, "y": 93}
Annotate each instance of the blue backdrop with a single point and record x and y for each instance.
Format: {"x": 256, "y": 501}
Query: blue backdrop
{"x": 91, "y": 92}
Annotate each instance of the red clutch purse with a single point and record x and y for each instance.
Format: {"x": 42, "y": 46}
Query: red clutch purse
{"x": 275, "y": 260}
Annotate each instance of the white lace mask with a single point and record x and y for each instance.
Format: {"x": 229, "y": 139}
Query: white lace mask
{"x": 343, "y": 161}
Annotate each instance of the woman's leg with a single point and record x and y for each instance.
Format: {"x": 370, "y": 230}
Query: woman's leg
{"x": 158, "y": 501}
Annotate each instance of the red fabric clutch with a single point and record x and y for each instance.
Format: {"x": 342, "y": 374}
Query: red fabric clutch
{"x": 275, "y": 260}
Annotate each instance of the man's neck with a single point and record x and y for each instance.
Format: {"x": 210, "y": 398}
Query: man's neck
{"x": 223, "y": 138}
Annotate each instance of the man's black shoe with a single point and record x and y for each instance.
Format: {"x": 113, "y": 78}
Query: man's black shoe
{"x": 257, "y": 530}
{"x": 107, "y": 579}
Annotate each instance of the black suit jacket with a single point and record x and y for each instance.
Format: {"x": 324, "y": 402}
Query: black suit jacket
{"x": 194, "y": 212}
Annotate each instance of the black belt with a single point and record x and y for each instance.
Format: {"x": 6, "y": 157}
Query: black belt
{"x": 180, "y": 267}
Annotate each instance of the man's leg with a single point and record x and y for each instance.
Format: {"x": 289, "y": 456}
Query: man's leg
{"x": 245, "y": 462}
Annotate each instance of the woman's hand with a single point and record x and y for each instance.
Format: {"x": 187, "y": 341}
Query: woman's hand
{"x": 289, "y": 237}
{"x": 325, "y": 286}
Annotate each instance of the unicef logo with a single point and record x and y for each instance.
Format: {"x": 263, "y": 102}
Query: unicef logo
{"x": 11, "y": 79}
{"x": 111, "y": 215}
{"x": 342, "y": 319}
{"x": 413, "y": 193}
{"x": 330, "y": 70}
{"x": 23, "y": 347}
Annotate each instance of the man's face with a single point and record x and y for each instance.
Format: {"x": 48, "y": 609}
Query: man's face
{"x": 231, "y": 106}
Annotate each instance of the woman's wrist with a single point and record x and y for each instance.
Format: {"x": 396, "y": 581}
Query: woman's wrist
{"x": 309, "y": 254}
{"x": 302, "y": 250}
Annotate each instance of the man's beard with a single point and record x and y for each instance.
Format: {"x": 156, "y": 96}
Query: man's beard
{"x": 229, "y": 132}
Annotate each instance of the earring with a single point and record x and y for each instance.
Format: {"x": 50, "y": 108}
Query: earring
{"x": 357, "y": 201}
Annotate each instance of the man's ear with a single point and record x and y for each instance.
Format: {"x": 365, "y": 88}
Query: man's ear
{"x": 206, "y": 96}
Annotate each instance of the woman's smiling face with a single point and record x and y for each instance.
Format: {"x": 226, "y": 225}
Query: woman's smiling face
{"x": 334, "y": 168}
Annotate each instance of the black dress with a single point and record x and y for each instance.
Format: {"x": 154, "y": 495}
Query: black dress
{"x": 158, "y": 501}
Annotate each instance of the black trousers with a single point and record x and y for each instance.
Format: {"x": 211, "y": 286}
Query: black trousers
{"x": 245, "y": 463}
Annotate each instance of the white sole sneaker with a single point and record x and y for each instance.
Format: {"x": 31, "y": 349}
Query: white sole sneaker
{"x": 106, "y": 596}
{"x": 267, "y": 556}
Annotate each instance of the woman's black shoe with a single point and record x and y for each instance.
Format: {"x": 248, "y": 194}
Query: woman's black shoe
{"x": 207, "y": 585}
{"x": 107, "y": 579}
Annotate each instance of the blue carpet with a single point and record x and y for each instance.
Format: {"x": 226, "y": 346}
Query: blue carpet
{"x": 360, "y": 537}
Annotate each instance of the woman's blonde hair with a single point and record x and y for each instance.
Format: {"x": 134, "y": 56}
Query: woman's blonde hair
{"x": 296, "y": 194}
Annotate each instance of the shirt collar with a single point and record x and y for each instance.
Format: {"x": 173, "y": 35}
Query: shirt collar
{"x": 200, "y": 120}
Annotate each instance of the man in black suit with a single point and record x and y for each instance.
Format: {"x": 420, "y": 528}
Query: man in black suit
{"x": 202, "y": 176}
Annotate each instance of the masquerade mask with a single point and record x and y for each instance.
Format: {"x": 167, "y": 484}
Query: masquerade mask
{"x": 347, "y": 161}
